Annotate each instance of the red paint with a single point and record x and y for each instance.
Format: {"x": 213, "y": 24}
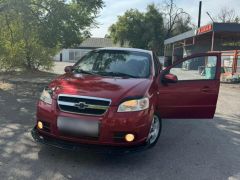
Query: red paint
{"x": 182, "y": 99}
{"x": 189, "y": 99}
{"x": 205, "y": 29}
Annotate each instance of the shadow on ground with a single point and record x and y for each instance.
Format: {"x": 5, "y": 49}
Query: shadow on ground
{"x": 187, "y": 149}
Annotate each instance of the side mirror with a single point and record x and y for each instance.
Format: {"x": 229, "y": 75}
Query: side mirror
{"x": 68, "y": 69}
{"x": 170, "y": 78}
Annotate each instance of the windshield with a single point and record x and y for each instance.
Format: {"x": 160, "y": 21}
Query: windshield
{"x": 115, "y": 63}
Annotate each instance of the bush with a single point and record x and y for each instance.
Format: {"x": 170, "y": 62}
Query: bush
{"x": 25, "y": 55}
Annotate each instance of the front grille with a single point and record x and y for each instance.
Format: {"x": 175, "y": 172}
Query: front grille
{"x": 83, "y": 104}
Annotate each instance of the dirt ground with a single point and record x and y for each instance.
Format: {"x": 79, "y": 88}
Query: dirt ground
{"x": 187, "y": 149}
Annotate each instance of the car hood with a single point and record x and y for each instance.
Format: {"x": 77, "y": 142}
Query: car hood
{"x": 112, "y": 88}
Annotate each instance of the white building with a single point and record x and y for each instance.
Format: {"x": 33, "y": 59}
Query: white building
{"x": 73, "y": 55}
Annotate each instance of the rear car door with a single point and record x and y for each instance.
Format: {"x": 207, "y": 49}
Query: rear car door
{"x": 195, "y": 92}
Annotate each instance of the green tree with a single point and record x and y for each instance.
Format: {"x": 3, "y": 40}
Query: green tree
{"x": 181, "y": 26}
{"x": 154, "y": 29}
{"x": 32, "y": 30}
{"x": 140, "y": 30}
{"x": 128, "y": 28}
{"x": 176, "y": 20}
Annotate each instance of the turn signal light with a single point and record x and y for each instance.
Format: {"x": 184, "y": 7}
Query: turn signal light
{"x": 129, "y": 137}
{"x": 40, "y": 125}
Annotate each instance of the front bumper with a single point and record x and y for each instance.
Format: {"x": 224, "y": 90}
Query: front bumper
{"x": 67, "y": 145}
{"x": 112, "y": 127}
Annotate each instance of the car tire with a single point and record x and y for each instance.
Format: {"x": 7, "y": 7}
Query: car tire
{"x": 155, "y": 130}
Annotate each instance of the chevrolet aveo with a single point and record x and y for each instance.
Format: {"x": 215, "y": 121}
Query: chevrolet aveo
{"x": 116, "y": 97}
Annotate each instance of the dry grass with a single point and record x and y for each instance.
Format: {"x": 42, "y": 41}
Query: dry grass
{"x": 6, "y": 86}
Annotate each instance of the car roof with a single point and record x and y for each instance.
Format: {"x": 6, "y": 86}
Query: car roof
{"x": 126, "y": 49}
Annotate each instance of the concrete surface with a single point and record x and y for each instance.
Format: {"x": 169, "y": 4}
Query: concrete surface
{"x": 187, "y": 149}
{"x": 59, "y": 67}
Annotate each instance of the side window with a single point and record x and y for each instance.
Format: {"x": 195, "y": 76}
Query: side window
{"x": 198, "y": 68}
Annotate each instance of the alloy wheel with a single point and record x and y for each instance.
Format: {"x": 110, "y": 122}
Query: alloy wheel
{"x": 154, "y": 130}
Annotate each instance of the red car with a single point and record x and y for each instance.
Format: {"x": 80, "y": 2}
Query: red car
{"x": 116, "y": 97}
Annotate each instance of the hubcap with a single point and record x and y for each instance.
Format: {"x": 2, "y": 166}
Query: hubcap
{"x": 154, "y": 130}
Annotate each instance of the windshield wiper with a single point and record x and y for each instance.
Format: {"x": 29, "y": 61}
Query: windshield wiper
{"x": 83, "y": 71}
{"x": 116, "y": 74}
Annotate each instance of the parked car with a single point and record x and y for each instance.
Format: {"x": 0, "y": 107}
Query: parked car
{"x": 117, "y": 97}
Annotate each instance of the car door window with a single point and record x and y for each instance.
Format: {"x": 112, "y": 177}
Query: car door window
{"x": 198, "y": 68}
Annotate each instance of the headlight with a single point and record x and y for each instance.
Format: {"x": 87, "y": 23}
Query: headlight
{"x": 134, "y": 105}
{"x": 46, "y": 96}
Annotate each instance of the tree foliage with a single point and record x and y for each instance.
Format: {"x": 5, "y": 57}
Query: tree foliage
{"x": 32, "y": 30}
{"x": 140, "y": 30}
{"x": 148, "y": 30}
{"x": 227, "y": 15}
{"x": 176, "y": 20}
{"x": 128, "y": 28}
{"x": 182, "y": 25}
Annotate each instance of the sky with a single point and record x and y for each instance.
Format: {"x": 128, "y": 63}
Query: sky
{"x": 115, "y": 8}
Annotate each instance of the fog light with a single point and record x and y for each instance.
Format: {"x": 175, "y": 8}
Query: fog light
{"x": 40, "y": 125}
{"x": 129, "y": 137}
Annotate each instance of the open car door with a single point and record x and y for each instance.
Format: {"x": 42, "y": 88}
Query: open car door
{"x": 189, "y": 88}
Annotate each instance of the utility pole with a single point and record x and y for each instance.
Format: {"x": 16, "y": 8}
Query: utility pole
{"x": 199, "y": 14}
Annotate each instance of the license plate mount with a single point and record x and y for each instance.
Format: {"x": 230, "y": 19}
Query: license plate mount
{"x": 77, "y": 127}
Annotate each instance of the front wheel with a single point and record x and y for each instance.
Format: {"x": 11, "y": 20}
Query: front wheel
{"x": 155, "y": 130}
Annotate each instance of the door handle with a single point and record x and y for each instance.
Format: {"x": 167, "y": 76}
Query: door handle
{"x": 206, "y": 89}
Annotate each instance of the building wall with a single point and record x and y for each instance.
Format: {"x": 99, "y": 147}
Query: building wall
{"x": 71, "y": 55}
{"x": 200, "y": 48}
